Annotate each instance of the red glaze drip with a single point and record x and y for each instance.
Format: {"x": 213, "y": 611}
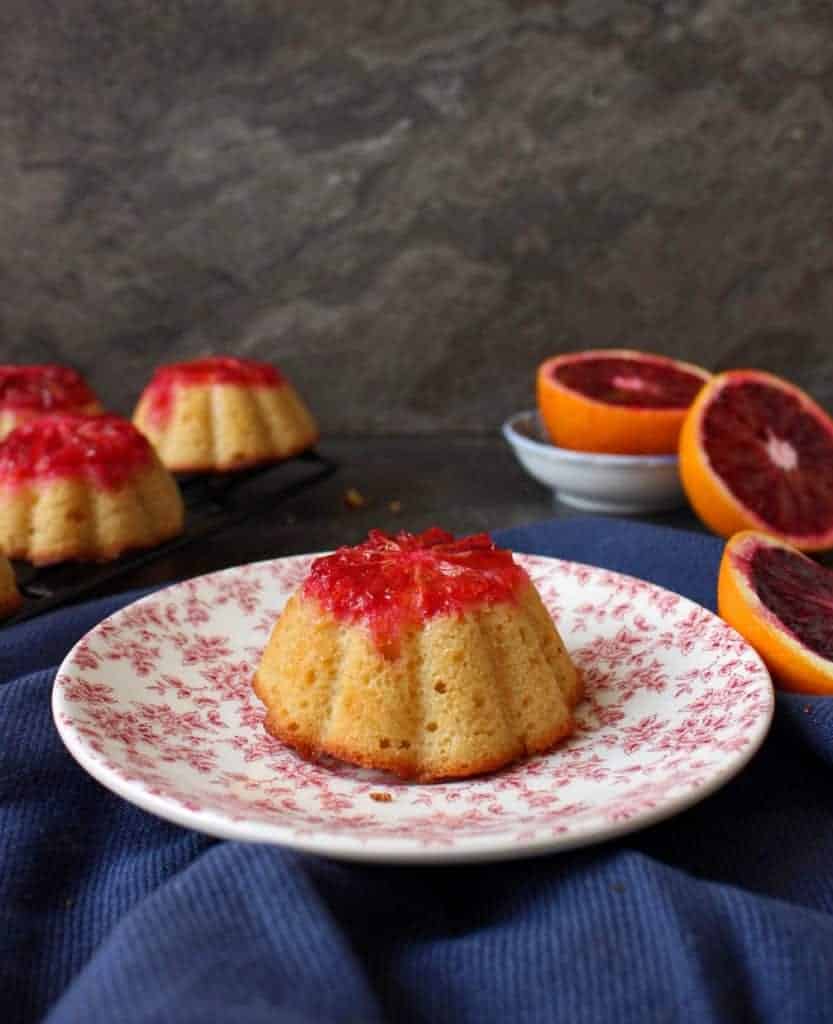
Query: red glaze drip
{"x": 104, "y": 449}
{"x": 204, "y": 372}
{"x": 393, "y": 583}
{"x": 46, "y": 388}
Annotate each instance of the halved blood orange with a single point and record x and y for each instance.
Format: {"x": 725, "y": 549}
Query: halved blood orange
{"x": 616, "y": 400}
{"x": 756, "y": 453}
{"x": 781, "y": 601}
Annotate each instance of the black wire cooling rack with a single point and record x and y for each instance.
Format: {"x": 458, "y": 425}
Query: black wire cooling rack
{"x": 212, "y": 503}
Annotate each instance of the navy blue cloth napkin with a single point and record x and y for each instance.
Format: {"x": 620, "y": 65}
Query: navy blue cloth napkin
{"x": 724, "y": 913}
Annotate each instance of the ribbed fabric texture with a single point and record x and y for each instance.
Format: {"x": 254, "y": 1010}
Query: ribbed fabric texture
{"x": 724, "y": 913}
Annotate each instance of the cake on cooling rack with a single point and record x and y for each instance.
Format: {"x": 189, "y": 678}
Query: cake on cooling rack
{"x": 220, "y": 413}
{"x": 83, "y": 488}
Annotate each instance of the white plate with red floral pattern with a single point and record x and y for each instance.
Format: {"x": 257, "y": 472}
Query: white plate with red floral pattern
{"x": 156, "y": 703}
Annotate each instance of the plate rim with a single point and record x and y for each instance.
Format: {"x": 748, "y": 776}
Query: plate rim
{"x": 388, "y": 850}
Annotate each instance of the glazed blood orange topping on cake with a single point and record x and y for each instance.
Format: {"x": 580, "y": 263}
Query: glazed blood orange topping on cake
{"x": 104, "y": 449}
{"x": 613, "y": 380}
{"x": 392, "y": 583}
{"x": 46, "y": 388}
{"x": 204, "y": 373}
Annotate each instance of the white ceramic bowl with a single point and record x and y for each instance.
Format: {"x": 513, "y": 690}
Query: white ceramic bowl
{"x": 616, "y": 484}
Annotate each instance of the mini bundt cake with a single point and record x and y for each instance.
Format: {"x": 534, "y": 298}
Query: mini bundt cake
{"x": 10, "y": 599}
{"x": 27, "y": 392}
{"x": 420, "y": 655}
{"x": 222, "y": 413}
{"x": 83, "y": 488}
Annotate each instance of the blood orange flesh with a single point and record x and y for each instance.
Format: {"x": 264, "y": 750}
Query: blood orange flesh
{"x": 757, "y": 453}
{"x": 777, "y": 457}
{"x": 798, "y": 592}
{"x": 643, "y": 382}
{"x": 782, "y": 603}
{"x": 619, "y": 401}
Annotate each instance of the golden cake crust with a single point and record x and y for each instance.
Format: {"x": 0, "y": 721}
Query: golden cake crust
{"x": 465, "y": 693}
{"x": 217, "y": 427}
{"x": 10, "y": 597}
{"x": 63, "y": 519}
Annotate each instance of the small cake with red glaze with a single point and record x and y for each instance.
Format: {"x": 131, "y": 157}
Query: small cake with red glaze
{"x": 10, "y": 599}
{"x": 83, "y": 488}
{"x": 222, "y": 413}
{"x": 422, "y": 655}
{"x": 27, "y": 392}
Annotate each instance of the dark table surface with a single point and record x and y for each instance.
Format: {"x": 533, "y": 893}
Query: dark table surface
{"x": 464, "y": 483}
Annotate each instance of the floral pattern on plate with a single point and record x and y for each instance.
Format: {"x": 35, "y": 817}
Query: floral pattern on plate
{"x": 156, "y": 703}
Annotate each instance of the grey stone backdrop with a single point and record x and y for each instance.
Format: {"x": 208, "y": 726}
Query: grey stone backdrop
{"x": 409, "y": 204}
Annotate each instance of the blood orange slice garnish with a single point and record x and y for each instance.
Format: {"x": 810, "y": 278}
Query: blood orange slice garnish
{"x": 393, "y": 582}
{"x": 757, "y": 453}
{"x": 781, "y": 601}
{"x": 616, "y": 400}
